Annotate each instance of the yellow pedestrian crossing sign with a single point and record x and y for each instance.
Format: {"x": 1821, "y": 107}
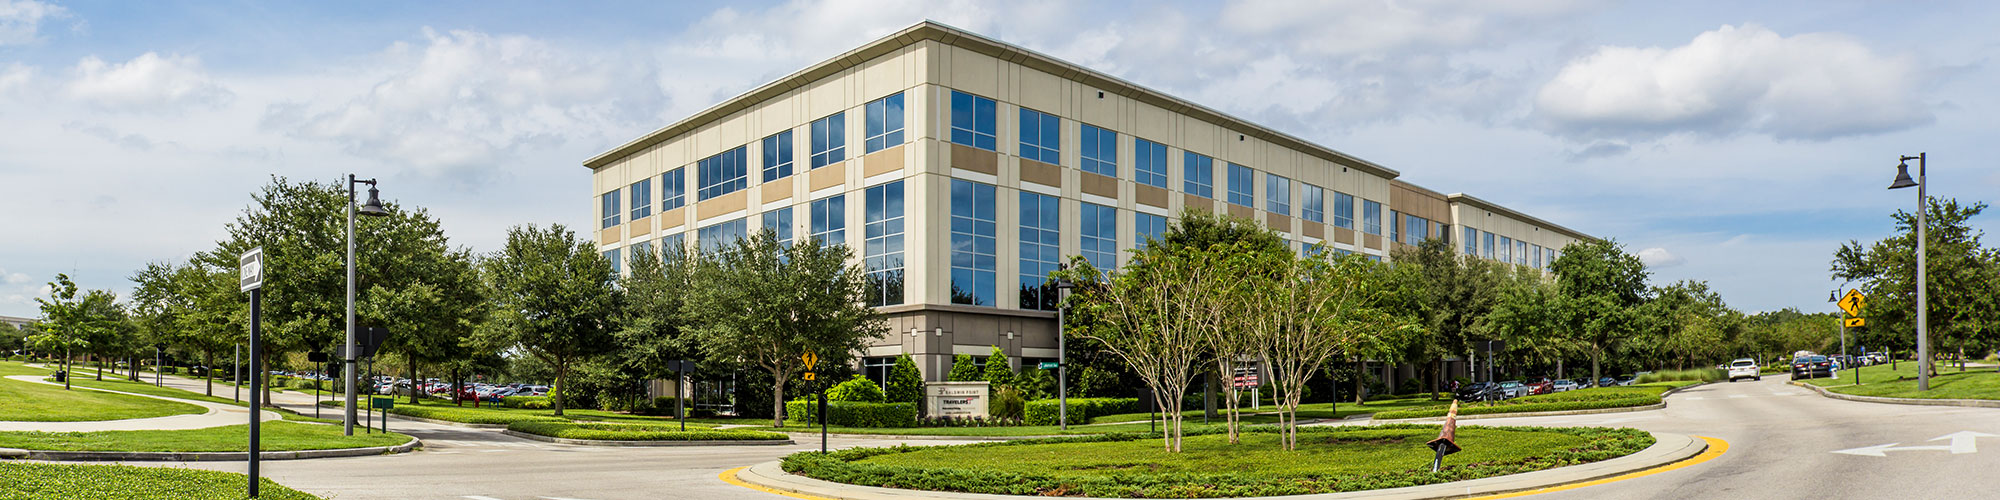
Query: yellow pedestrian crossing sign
{"x": 1852, "y": 303}
{"x": 1854, "y": 322}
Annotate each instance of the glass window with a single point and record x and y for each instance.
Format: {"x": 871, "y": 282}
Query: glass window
{"x": 1343, "y": 210}
{"x": 780, "y": 223}
{"x": 673, "y": 189}
{"x": 1100, "y": 151}
{"x": 1312, "y": 202}
{"x": 1240, "y": 187}
{"x": 1520, "y": 252}
{"x": 1395, "y": 223}
{"x": 1371, "y": 217}
{"x": 829, "y": 220}
{"x": 1100, "y": 236}
{"x": 1149, "y": 165}
{"x": 972, "y": 121}
{"x": 722, "y": 174}
{"x": 829, "y": 140}
{"x": 1277, "y": 194}
{"x": 883, "y": 220}
{"x": 1147, "y": 227}
{"x": 1416, "y": 229}
{"x": 719, "y": 236}
{"x": 676, "y": 242}
{"x": 885, "y": 123}
{"x": 1471, "y": 241}
{"x": 1041, "y": 219}
{"x": 642, "y": 199}
{"x": 611, "y": 209}
{"x": 778, "y": 156}
{"x": 974, "y": 245}
{"x": 640, "y": 248}
{"x": 1506, "y": 250}
{"x": 1199, "y": 171}
{"x": 1537, "y": 262}
{"x": 1041, "y": 137}
{"x": 617, "y": 264}
{"x": 1488, "y": 244}
{"x": 1554, "y": 255}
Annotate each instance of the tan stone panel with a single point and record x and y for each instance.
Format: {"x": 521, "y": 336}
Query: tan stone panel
{"x": 1278, "y": 222}
{"x": 612, "y": 235}
{"x": 1041, "y": 173}
{"x": 1198, "y": 201}
{"x": 829, "y": 176}
{"x": 722, "y": 205}
{"x": 880, "y": 162}
{"x": 1151, "y": 195}
{"x": 1372, "y": 241}
{"x": 975, "y": 159}
{"x": 1241, "y": 211}
{"x": 1343, "y": 235}
{"x": 1313, "y": 230}
{"x": 641, "y": 227}
{"x": 672, "y": 218}
{"x": 1100, "y": 185}
{"x": 777, "y": 190}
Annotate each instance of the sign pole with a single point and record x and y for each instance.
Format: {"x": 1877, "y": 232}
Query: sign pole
{"x": 256, "y": 401}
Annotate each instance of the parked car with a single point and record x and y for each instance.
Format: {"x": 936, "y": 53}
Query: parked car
{"x": 1513, "y": 389}
{"x": 1564, "y": 385}
{"x": 1479, "y": 391}
{"x": 1814, "y": 366}
{"x": 1607, "y": 382}
{"x": 1744, "y": 368}
{"x": 1627, "y": 380}
{"x": 1545, "y": 386}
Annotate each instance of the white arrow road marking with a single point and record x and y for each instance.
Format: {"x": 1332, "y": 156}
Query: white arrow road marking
{"x": 1962, "y": 442}
{"x": 477, "y": 497}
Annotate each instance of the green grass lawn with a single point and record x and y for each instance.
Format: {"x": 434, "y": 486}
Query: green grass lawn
{"x": 123, "y": 385}
{"x": 1580, "y": 399}
{"x": 29, "y": 401}
{"x": 37, "y": 481}
{"x": 492, "y": 413}
{"x": 1130, "y": 465}
{"x": 276, "y": 436}
{"x": 1901, "y": 382}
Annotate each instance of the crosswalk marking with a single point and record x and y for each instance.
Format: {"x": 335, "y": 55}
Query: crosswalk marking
{"x": 1735, "y": 396}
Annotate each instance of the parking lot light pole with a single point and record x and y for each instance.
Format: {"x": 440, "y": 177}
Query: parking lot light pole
{"x": 372, "y": 209}
{"x": 1923, "y": 311}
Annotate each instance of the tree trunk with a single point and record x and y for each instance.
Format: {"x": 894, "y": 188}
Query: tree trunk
{"x": 207, "y": 369}
{"x": 1596, "y": 353}
{"x": 1360, "y": 382}
{"x": 100, "y": 368}
{"x": 414, "y": 381}
{"x": 778, "y": 400}
{"x": 561, "y": 371}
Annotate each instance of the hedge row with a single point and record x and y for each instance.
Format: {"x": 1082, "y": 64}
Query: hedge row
{"x": 1081, "y": 410}
{"x": 845, "y": 466}
{"x": 1586, "y": 399}
{"x": 527, "y": 402}
{"x": 855, "y": 413}
{"x": 637, "y": 432}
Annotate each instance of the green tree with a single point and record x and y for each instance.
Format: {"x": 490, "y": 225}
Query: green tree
{"x": 905, "y": 384}
{"x": 1227, "y": 335}
{"x": 1601, "y": 288}
{"x": 1959, "y": 278}
{"x": 1455, "y": 292}
{"x": 767, "y": 304}
{"x": 1312, "y": 310}
{"x": 1137, "y": 315}
{"x": 1690, "y": 324}
{"x": 998, "y": 373}
{"x": 68, "y": 322}
{"x": 552, "y": 298}
{"x": 1527, "y": 313}
{"x": 427, "y": 294}
{"x": 963, "y": 369}
{"x": 652, "y": 326}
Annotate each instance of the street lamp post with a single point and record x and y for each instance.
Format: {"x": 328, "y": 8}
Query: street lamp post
{"x": 1923, "y": 311}
{"x": 1062, "y": 356}
{"x": 372, "y": 209}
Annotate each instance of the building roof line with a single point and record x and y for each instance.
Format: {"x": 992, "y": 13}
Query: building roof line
{"x": 948, "y": 35}
{"x": 1476, "y": 201}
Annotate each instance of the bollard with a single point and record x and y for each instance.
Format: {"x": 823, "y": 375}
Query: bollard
{"x": 1447, "y": 440}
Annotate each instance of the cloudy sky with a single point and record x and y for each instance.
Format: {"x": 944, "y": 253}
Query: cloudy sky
{"x": 1734, "y": 142}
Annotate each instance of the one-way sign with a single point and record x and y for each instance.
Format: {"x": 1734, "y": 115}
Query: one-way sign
{"x": 250, "y": 269}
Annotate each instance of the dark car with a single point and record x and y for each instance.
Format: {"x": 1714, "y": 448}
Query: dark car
{"x": 1607, "y": 382}
{"x": 1480, "y": 391}
{"x": 1812, "y": 367}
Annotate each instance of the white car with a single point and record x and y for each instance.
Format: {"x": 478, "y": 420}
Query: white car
{"x": 1744, "y": 368}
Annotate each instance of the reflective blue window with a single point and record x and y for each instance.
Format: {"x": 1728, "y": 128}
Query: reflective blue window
{"x": 1041, "y": 219}
{"x": 1100, "y": 151}
{"x": 1537, "y": 261}
{"x": 1277, "y": 194}
{"x": 1416, "y": 229}
{"x": 1471, "y": 240}
{"x": 885, "y": 123}
{"x": 640, "y": 249}
{"x": 617, "y": 264}
{"x": 1199, "y": 174}
{"x": 1343, "y": 210}
{"x": 974, "y": 245}
{"x": 1100, "y": 236}
{"x": 1312, "y": 202}
{"x": 780, "y": 223}
{"x": 829, "y": 220}
{"x": 1149, "y": 163}
{"x": 610, "y": 209}
{"x": 1488, "y": 244}
{"x": 883, "y": 254}
{"x": 723, "y": 173}
{"x": 1240, "y": 188}
{"x": 1371, "y": 217}
{"x": 673, "y": 189}
{"x": 1520, "y": 252}
{"x": 778, "y": 156}
{"x": 1041, "y": 137}
{"x": 973, "y": 121}
{"x": 717, "y": 237}
{"x": 1147, "y": 227}
{"x": 673, "y": 243}
{"x": 642, "y": 198}
{"x": 829, "y": 140}
{"x": 1506, "y": 250}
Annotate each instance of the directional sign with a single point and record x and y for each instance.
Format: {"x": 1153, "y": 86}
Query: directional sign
{"x": 1852, "y": 302}
{"x": 250, "y": 269}
{"x": 1049, "y": 365}
{"x": 1962, "y": 442}
{"x": 809, "y": 376}
{"x": 809, "y": 359}
{"x": 1854, "y": 322}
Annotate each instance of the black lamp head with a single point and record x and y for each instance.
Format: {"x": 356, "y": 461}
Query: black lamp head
{"x": 1830, "y": 296}
{"x": 1902, "y": 175}
{"x": 374, "y": 206}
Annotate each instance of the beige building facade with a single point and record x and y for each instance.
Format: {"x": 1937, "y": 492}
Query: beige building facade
{"x": 961, "y": 169}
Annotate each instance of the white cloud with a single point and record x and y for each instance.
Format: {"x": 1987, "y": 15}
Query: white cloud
{"x": 1734, "y": 79}
{"x": 148, "y": 82}
{"x": 1380, "y": 28}
{"x": 21, "y": 20}
{"x": 1657, "y": 257}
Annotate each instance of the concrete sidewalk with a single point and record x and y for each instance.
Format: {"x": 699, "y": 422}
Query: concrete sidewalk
{"x": 218, "y": 415}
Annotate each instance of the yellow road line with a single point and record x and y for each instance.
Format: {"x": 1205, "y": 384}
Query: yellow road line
{"x": 1716, "y": 448}
{"x": 729, "y": 476}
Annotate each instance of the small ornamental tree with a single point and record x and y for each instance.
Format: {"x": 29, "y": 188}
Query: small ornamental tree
{"x": 905, "y": 384}
{"x": 963, "y": 369}
{"x": 858, "y": 389}
{"x": 998, "y": 373}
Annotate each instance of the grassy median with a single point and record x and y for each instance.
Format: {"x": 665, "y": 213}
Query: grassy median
{"x": 1900, "y": 381}
{"x": 29, "y": 401}
{"x": 606, "y": 431}
{"x": 1580, "y": 399}
{"x": 276, "y": 436}
{"x": 37, "y": 481}
{"x": 1135, "y": 465}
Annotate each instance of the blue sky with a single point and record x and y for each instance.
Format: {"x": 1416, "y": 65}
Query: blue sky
{"x": 1734, "y": 142}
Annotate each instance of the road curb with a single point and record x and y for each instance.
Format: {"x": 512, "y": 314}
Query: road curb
{"x": 1667, "y": 449}
{"x": 1969, "y": 403}
{"x": 607, "y": 442}
{"x": 205, "y": 456}
{"x": 1662, "y": 405}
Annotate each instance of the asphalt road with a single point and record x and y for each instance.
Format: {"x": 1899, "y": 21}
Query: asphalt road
{"x": 1782, "y": 442}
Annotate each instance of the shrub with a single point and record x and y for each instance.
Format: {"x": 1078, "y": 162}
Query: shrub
{"x": 906, "y": 384}
{"x": 1698, "y": 374}
{"x": 971, "y": 421}
{"x": 1587, "y": 399}
{"x": 1081, "y": 410}
{"x": 997, "y": 372}
{"x": 526, "y": 402}
{"x": 855, "y": 413}
{"x": 963, "y": 369}
{"x": 857, "y": 389}
{"x": 1007, "y": 403}
{"x": 637, "y": 432}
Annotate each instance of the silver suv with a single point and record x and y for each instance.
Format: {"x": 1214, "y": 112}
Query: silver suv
{"x": 1744, "y": 368}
